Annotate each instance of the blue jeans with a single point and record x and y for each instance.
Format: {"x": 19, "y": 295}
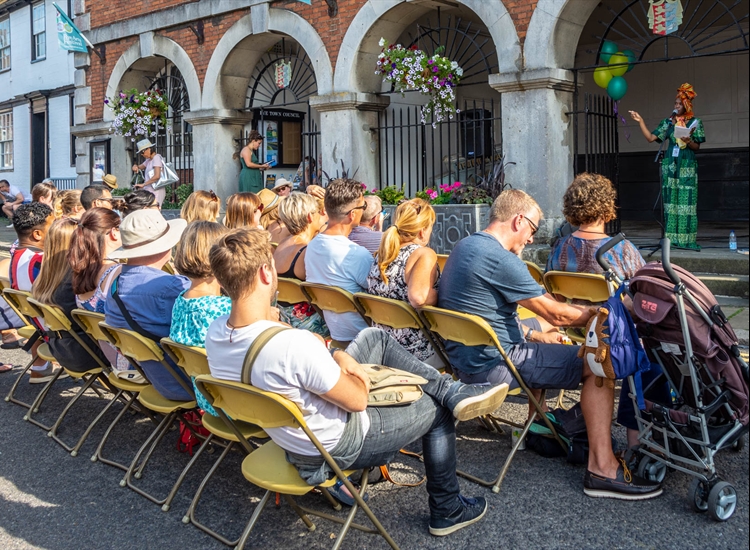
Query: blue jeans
{"x": 393, "y": 428}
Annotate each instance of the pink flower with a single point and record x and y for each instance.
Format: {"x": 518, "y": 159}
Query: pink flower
{"x": 374, "y": 190}
{"x": 432, "y": 194}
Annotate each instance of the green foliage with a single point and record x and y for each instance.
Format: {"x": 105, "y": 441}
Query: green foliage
{"x": 390, "y": 194}
{"x": 121, "y": 191}
{"x": 471, "y": 194}
{"x": 182, "y": 192}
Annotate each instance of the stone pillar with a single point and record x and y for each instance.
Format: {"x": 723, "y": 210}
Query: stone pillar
{"x": 214, "y": 165}
{"x": 346, "y": 120}
{"x": 538, "y": 136}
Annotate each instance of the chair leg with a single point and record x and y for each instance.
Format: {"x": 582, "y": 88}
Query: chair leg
{"x": 300, "y": 512}
{"x": 203, "y": 446}
{"x": 131, "y": 399}
{"x": 37, "y": 404}
{"x": 513, "y": 451}
{"x": 148, "y": 444}
{"x": 253, "y": 520}
{"x": 11, "y": 394}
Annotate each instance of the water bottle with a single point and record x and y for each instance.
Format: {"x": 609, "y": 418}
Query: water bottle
{"x": 732, "y": 241}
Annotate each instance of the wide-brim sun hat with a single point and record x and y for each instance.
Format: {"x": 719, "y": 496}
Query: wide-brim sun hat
{"x": 146, "y": 232}
{"x": 269, "y": 199}
{"x": 110, "y": 181}
{"x": 282, "y": 182}
{"x": 144, "y": 144}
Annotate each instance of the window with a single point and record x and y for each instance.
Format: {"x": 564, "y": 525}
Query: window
{"x": 6, "y": 140}
{"x": 5, "y": 44}
{"x": 38, "y": 34}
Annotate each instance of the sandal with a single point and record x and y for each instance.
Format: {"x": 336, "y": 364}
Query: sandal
{"x": 15, "y": 344}
{"x": 6, "y": 367}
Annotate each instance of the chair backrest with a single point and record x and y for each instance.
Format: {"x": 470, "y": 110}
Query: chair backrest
{"x": 89, "y": 322}
{"x": 192, "y": 360}
{"x": 20, "y": 299}
{"x": 535, "y": 272}
{"x": 441, "y": 259}
{"x": 331, "y": 298}
{"x": 467, "y": 329}
{"x": 290, "y": 291}
{"x": 168, "y": 268}
{"x": 132, "y": 345}
{"x": 592, "y": 287}
{"x": 5, "y": 283}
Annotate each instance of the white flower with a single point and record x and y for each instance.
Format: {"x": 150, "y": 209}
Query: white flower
{"x": 454, "y": 65}
{"x": 459, "y": 71}
{"x": 381, "y": 43}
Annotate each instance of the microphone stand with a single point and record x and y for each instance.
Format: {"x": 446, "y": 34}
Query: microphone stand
{"x": 660, "y": 197}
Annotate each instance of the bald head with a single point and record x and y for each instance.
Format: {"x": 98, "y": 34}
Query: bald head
{"x": 373, "y": 206}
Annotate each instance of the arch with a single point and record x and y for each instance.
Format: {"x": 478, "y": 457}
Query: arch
{"x": 388, "y": 19}
{"x": 162, "y": 47}
{"x": 554, "y": 31}
{"x": 238, "y": 51}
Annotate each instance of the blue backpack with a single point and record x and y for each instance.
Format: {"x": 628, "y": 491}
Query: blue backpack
{"x": 612, "y": 349}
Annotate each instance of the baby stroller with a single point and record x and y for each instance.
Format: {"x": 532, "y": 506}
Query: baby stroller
{"x": 685, "y": 332}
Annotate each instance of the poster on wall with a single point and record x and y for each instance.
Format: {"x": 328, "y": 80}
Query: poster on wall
{"x": 99, "y": 160}
{"x": 271, "y": 143}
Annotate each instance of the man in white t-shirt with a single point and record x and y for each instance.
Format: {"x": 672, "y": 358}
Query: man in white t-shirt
{"x": 332, "y": 259}
{"x": 331, "y": 388}
{"x": 13, "y": 197}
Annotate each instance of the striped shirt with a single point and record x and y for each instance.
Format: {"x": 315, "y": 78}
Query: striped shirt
{"x": 366, "y": 237}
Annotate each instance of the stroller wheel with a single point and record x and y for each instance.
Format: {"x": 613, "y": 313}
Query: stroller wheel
{"x": 722, "y": 500}
{"x": 739, "y": 444}
{"x": 652, "y": 470}
{"x": 698, "y": 495}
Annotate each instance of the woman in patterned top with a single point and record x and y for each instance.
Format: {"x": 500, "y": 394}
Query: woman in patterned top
{"x": 679, "y": 168}
{"x": 195, "y": 309}
{"x": 406, "y": 269}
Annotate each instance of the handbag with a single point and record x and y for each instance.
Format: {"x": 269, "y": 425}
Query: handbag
{"x": 167, "y": 177}
{"x": 388, "y": 386}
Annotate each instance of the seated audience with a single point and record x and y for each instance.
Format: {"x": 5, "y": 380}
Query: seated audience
{"x": 243, "y": 210}
{"x": 96, "y": 195}
{"x": 68, "y": 204}
{"x": 484, "y": 276}
{"x": 54, "y": 287}
{"x": 332, "y": 259}
{"x": 282, "y": 187}
{"x": 331, "y": 388}
{"x": 12, "y": 197}
{"x": 31, "y": 222}
{"x": 140, "y": 199}
{"x": 406, "y": 269}
{"x": 300, "y": 215}
{"x": 369, "y": 231}
{"x": 201, "y": 206}
{"x": 196, "y": 308}
{"x": 145, "y": 293}
{"x": 44, "y": 193}
{"x": 98, "y": 235}
{"x": 269, "y": 218}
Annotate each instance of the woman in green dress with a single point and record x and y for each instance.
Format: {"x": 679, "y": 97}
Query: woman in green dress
{"x": 251, "y": 180}
{"x": 679, "y": 169}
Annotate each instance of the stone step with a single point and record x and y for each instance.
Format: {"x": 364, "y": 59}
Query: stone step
{"x": 726, "y": 285}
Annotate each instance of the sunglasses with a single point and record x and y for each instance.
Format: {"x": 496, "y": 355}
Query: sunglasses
{"x": 534, "y": 226}
{"x": 356, "y": 208}
{"x": 213, "y": 197}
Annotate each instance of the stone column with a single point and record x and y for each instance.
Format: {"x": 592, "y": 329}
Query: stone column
{"x": 346, "y": 120}
{"x": 538, "y": 136}
{"x": 214, "y": 165}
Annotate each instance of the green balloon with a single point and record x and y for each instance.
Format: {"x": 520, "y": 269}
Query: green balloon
{"x": 631, "y": 58}
{"x": 621, "y": 60}
{"x": 617, "y": 88}
{"x": 602, "y": 76}
{"x": 608, "y": 48}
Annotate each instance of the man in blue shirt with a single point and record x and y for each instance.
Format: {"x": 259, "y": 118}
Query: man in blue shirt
{"x": 146, "y": 293}
{"x": 485, "y": 276}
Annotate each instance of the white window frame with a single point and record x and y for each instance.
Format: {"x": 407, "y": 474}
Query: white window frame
{"x": 5, "y": 45}
{"x": 38, "y": 31}
{"x": 6, "y": 140}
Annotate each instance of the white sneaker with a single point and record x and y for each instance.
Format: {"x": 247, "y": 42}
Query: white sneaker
{"x": 9, "y": 226}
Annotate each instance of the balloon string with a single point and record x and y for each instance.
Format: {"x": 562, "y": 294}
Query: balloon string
{"x": 625, "y": 132}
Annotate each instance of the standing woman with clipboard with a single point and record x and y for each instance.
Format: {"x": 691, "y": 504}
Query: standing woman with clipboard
{"x": 152, "y": 167}
{"x": 679, "y": 168}
{"x": 251, "y": 180}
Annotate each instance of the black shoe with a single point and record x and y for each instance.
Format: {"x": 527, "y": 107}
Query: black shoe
{"x": 469, "y": 401}
{"x": 470, "y": 511}
{"x": 625, "y": 486}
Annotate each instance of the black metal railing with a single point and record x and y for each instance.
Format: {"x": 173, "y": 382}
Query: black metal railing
{"x": 420, "y": 156}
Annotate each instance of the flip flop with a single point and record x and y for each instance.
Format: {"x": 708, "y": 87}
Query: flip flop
{"x": 6, "y": 368}
{"x": 15, "y": 344}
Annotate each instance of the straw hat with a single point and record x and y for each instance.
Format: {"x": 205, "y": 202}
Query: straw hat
{"x": 110, "y": 181}
{"x": 269, "y": 199}
{"x": 282, "y": 182}
{"x": 146, "y": 232}
{"x": 144, "y": 144}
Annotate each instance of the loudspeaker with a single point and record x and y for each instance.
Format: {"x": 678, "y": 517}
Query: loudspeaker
{"x": 476, "y": 133}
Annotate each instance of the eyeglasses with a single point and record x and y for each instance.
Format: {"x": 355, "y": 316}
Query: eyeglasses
{"x": 534, "y": 226}
{"x": 356, "y": 208}
{"x": 213, "y": 197}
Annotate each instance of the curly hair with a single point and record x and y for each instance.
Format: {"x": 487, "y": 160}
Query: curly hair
{"x": 590, "y": 198}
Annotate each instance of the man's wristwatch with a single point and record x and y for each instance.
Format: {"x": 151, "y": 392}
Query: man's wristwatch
{"x": 528, "y": 335}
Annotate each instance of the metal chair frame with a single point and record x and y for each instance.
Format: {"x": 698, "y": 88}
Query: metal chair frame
{"x": 333, "y": 299}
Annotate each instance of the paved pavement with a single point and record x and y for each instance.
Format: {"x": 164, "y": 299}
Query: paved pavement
{"x": 54, "y": 501}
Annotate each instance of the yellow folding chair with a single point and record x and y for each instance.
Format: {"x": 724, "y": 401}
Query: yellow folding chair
{"x": 56, "y": 321}
{"x": 127, "y": 391}
{"x": 591, "y": 287}
{"x": 194, "y": 362}
{"x": 333, "y": 299}
{"x": 397, "y": 314}
{"x": 267, "y": 466}
{"x": 472, "y": 330}
{"x": 535, "y": 271}
{"x": 138, "y": 349}
{"x": 441, "y": 259}
{"x": 290, "y": 291}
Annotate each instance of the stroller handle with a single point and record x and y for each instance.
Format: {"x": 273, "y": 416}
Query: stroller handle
{"x": 606, "y": 248}
{"x": 665, "y": 248}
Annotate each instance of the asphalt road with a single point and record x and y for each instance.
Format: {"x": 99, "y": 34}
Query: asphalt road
{"x": 52, "y": 500}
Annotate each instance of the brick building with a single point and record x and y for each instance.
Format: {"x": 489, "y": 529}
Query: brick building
{"x": 528, "y": 65}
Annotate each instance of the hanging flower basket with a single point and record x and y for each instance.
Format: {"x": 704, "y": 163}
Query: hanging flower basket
{"x": 138, "y": 115}
{"x": 412, "y": 69}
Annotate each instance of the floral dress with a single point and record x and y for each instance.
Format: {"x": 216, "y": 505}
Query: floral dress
{"x": 191, "y": 318}
{"x": 411, "y": 339}
{"x": 679, "y": 171}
